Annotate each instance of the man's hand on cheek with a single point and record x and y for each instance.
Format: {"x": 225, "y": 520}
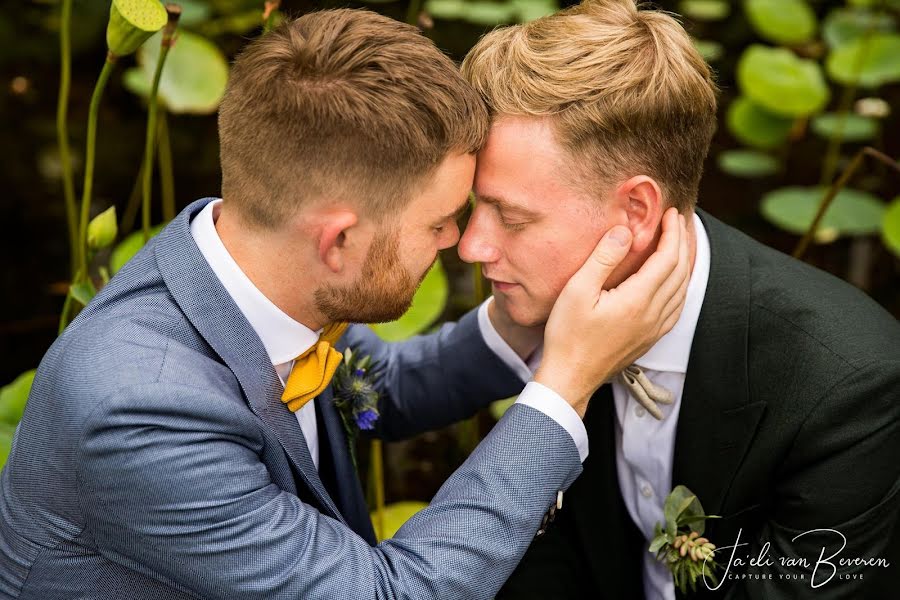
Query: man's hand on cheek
{"x": 592, "y": 333}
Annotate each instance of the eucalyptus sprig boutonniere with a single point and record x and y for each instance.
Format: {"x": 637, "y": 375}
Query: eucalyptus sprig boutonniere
{"x": 355, "y": 396}
{"x": 679, "y": 543}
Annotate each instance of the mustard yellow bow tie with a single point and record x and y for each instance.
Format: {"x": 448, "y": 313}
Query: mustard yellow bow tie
{"x": 313, "y": 370}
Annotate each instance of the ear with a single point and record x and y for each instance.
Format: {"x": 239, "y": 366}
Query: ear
{"x": 641, "y": 200}
{"x": 333, "y": 238}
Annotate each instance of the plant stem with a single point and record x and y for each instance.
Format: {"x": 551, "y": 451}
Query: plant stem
{"x": 168, "y": 38}
{"x": 412, "y": 13}
{"x": 377, "y": 465}
{"x": 269, "y": 14}
{"x": 838, "y": 185}
{"x": 166, "y": 170}
{"x": 89, "y": 157}
{"x": 129, "y": 215}
{"x": 62, "y": 130}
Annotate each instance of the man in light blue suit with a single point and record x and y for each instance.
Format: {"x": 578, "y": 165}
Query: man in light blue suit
{"x": 158, "y": 458}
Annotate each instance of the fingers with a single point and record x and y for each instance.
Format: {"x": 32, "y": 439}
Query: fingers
{"x": 610, "y": 251}
{"x": 664, "y": 260}
{"x": 676, "y": 282}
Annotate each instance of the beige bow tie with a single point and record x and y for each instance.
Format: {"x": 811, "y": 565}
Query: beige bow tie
{"x": 647, "y": 393}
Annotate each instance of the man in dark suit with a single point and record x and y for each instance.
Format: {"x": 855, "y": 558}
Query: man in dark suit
{"x": 181, "y": 439}
{"x": 784, "y": 414}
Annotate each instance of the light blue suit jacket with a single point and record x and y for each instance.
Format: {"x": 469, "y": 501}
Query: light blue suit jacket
{"x": 155, "y": 459}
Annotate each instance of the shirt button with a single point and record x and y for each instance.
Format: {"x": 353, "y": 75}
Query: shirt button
{"x": 640, "y": 411}
{"x": 646, "y": 490}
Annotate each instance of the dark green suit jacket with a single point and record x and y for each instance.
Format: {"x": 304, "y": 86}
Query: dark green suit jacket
{"x": 790, "y": 422}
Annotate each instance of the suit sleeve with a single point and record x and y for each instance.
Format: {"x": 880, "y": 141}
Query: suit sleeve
{"x": 172, "y": 485}
{"x": 838, "y": 495}
{"x": 430, "y": 381}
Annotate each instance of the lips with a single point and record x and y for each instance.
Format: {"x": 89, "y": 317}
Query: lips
{"x": 502, "y": 286}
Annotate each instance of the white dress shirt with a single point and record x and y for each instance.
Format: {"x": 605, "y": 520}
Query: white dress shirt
{"x": 644, "y": 446}
{"x": 284, "y": 338}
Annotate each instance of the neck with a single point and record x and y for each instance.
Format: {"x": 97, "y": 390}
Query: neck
{"x": 270, "y": 260}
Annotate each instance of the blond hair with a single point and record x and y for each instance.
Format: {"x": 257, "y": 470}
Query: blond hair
{"x": 346, "y": 104}
{"x": 625, "y": 89}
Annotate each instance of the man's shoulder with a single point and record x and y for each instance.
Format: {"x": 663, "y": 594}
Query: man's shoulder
{"x": 798, "y": 306}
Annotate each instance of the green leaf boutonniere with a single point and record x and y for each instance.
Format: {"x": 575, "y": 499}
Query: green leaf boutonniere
{"x": 679, "y": 543}
{"x": 355, "y": 396}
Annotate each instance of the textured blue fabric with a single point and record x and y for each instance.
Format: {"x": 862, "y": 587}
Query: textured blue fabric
{"x": 155, "y": 460}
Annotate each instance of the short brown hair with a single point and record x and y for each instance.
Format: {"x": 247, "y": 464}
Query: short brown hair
{"x": 344, "y": 103}
{"x": 625, "y": 89}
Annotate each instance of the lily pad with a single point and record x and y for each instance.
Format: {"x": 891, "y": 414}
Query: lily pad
{"x": 7, "y": 432}
{"x": 890, "y": 228}
{"x": 855, "y": 128}
{"x": 872, "y": 61}
{"x": 13, "y": 397}
{"x": 396, "y": 514}
{"x": 755, "y": 126}
{"x": 782, "y": 21}
{"x": 844, "y": 25}
{"x": 747, "y": 163}
{"x": 781, "y": 82}
{"x": 852, "y": 212}
{"x": 704, "y": 10}
{"x": 128, "y": 247}
{"x": 427, "y": 305}
{"x": 194, "y": 76}
{"x": 708, "y": 49}
{"x": 498, "y": 408}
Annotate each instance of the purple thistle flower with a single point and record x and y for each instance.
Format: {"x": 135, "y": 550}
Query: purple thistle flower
{"x": 366, "y": 419}
{"x": 359, "y": 373}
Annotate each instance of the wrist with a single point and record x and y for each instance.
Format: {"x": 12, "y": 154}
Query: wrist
{"x": 562, "y": 382}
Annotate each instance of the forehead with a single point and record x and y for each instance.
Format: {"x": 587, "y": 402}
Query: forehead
{"x": 522, "y": 163}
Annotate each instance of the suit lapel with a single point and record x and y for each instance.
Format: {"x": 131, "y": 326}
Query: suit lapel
{"x": 204, "y": 301}
{"x": 717, "y": 420}
{"x": 347, "y": 488}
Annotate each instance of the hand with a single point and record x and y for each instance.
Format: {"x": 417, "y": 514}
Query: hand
{"x": 523, "y": 340}
{"x": 593, "y": 333}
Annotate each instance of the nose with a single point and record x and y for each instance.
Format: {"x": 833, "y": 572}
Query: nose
{"x": 476, "y": 244}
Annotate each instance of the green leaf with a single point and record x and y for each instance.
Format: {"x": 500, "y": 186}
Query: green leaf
{"x": 499, "y": 408}
{"x": 755, "y": 126}
{"x": 676, "y": 502}
{"x": 427, "y": 305}
{"x": 874, "y": 3}
{"x": 529, "y": 10}
{"x": 13, "y": 397}
{"x": 705, "y": 10}
{"x": 484, "y": 12}
{"x": 657, "y": 543}
{"x": 782, "y": 83}
{"x": 747, "y": 163}
{"x": 708, "y": 49}
{"x": 875, "y": 61}
{"x": 852, "y": 212}
{"x": 102, "y": 229}
{"x": 855, "y": 128}
{"x": 193, "y": 12}
{"x": 449, "y": 10}
{"x": 890, "y": 227}
{"x": 194, "y": 76}
{"x": 83, "y": 292}
{"x": 844, "y": 25}
{"x": 396, "y": 514}
{"x": 7, "y": 432}
{"x": 782, "y": 21}
{"x": 128, "y": 247}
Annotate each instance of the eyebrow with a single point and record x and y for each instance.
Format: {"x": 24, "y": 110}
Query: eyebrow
{"x": 456, "y": 214}
{"x": 504, "y": 204}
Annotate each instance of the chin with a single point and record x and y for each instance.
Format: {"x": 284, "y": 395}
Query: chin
{"x": 524, "y": 315}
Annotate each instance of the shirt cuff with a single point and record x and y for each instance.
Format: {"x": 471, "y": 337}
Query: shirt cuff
{"x": 499, "y": 346}
{"x": 542, "y": 398}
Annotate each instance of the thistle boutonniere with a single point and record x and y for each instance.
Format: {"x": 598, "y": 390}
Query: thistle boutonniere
{"x": 355, "y": 396}
{"x": 679, "y": 543}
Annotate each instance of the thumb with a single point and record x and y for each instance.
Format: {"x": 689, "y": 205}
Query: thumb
{"x": 609, "y": 252}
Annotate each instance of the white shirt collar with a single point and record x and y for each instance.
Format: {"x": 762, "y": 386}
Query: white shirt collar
{"x": 283, "y": 338}
{"x": 672, "y": 351}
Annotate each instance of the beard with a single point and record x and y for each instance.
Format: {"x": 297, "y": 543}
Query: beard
{"x": 383, "y": 292}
